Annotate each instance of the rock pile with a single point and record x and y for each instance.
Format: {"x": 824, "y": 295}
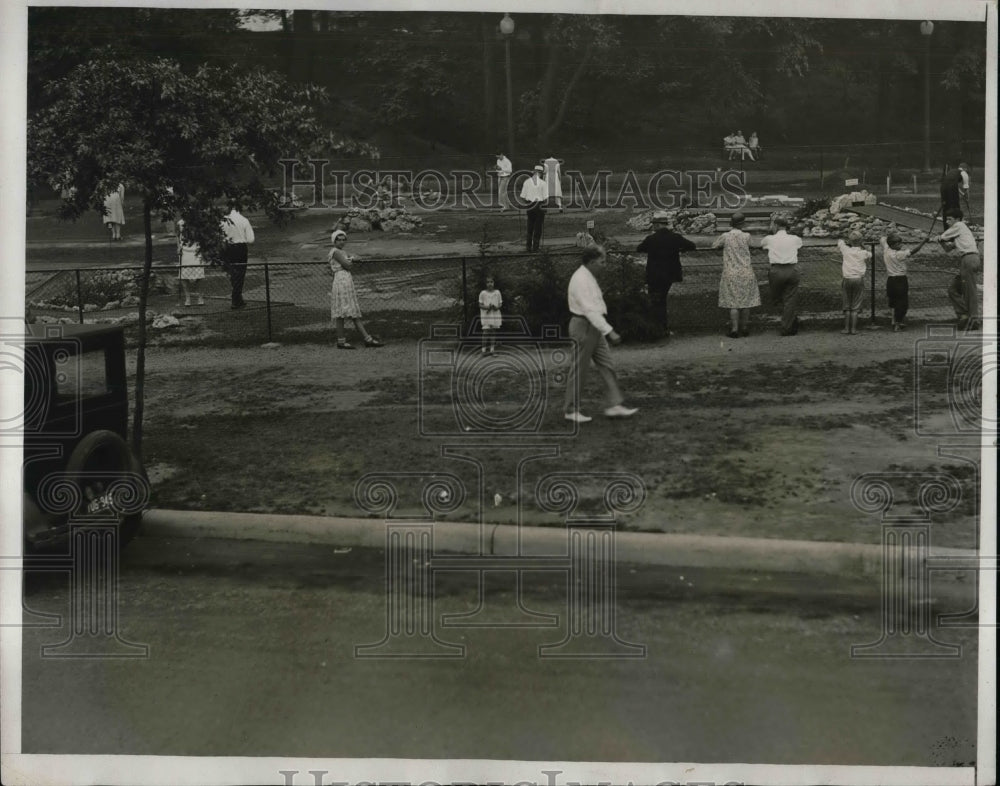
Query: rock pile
{"x": 683, "y": 220}
{"x": 388, "y": 215}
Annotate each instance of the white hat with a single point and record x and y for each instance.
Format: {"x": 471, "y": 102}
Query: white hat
{"x": 337, "y": 233}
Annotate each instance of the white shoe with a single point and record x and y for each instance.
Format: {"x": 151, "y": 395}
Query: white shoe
{"x": 577, "y": 417}
{"x": 618, "y": 411}
{"x": 201, "y": 301}
{"x": 187, "y": 302}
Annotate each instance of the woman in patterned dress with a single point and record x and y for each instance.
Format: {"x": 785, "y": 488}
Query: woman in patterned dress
{"x": 738, "y": 290}
{"x": 343, "y": 299}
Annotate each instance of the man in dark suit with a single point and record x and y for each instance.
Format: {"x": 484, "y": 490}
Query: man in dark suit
{"x": 663, "y": 266}
{"x": 951, "y": 181}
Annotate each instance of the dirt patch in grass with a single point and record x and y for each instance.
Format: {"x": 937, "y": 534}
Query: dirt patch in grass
{"x": 762, "y": 437}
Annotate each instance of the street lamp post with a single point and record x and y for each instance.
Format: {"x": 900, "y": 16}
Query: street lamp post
{"x": 926, "y": 28}
{"x": 507, "y": 29}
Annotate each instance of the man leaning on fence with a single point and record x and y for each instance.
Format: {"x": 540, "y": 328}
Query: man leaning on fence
{"x": 783, "y": 273}
{"x": 239, "y": 235}
{"x": 964, "y": 289}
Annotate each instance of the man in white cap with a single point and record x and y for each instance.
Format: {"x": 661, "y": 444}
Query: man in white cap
{"x": 591, "y": 334}
{"x": 535, "y": 193}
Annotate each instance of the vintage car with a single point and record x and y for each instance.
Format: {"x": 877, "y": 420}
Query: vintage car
{"x": 77, "y": 462}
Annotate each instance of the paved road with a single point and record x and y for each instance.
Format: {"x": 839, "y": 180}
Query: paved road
{"x": 251, "y": 653}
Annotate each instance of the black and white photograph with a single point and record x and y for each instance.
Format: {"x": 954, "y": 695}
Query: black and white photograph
{"x": 544, "y": 393}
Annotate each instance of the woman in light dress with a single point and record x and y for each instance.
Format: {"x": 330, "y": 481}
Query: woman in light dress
{"x": 738, "y": 290}
{"x": 192, "y": 267}
{"x": 553, "y": 178}
{"x": 114, "y": 211}
{"x": 343, "y": 298}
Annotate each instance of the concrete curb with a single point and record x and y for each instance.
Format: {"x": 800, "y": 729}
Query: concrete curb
{"x": 644, "y": 548}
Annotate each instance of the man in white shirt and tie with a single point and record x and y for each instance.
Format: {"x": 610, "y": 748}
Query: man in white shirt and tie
{"x": 535, "y": 193}
{"x": 591, "y": 332}
{"x": 239, "y": 235}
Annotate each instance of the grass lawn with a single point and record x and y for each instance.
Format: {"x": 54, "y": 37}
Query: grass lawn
{"x": 759, "y": 437}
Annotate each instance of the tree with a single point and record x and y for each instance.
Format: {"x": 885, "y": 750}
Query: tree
{"x": 185, "y": 142}
{"x": 60, "y": 38}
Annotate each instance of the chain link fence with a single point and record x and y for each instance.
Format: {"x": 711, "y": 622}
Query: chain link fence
{"x": 402, "y": 297}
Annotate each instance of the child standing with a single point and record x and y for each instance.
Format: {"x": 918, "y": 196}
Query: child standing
{"x": 853, "y": 286}
{"x": 897, "y": 285}
{"x": 489, "y": 315}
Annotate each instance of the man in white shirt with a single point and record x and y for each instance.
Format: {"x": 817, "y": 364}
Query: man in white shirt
{"x": 591, "y": 332}
{"x": 239, "y": 235}
{"x": 783, "y": 274}
{"x": 964, "y": 185}
{"x": 503, "y": 170}
{"x": 535, "y": 193}
{"x": 964, "y": 289}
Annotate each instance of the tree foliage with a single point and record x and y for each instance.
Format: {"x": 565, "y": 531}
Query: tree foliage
{"x": 184, "y": 141}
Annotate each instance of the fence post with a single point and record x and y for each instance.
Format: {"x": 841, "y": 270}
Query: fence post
{"x": 267, "y": 299}
{"x": 465, "y": 296}
{"x": 79, "y": 295}
{"x": 873, "y": 285}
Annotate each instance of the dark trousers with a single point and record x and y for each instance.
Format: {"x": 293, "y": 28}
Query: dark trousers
{"x": 897, "y": 290}
{"x": 234, "y": 259}
{"x": 536, "y": 218}
{"x": 658, "y": 303}
{"x": 783, "y": 281}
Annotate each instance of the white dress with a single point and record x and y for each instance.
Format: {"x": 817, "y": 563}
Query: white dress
{"x": 192, "y": 265}
{"x": 114, "y": 206}
{"x": 553, "y": 176}
{"x": 343, "y": 299}
{"x": 490, "y": 319}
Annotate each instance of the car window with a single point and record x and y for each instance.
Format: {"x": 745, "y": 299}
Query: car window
{"x": 86, "y": 378}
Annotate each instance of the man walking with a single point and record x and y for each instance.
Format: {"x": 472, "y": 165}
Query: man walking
{"x": 663, "y": 267}
{"x": 591, "y": 333}
{"x": 239, "y": 235}
{"x": 535, "y": 193}
{"x": 783, "y": 274}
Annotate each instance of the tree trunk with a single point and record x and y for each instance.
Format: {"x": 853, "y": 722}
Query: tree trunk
{"x": 140, "y": 361}
{"x": 302, "y": 51}
{"x": 545, "y": 134}
{"x": 545, "y": 94}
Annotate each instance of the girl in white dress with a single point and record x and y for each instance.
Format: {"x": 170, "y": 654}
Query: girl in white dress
{"x": 343, "y": 299}
{"x": 192, "y": 267}
{"x": 489, "y": 315}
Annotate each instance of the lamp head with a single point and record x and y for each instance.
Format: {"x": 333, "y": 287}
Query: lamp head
{"x": 926, "y": 27}
{"x": 506, "y": 24}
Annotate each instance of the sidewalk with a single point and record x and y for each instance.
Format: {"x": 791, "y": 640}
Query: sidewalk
{"x": 847, "y": 560}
